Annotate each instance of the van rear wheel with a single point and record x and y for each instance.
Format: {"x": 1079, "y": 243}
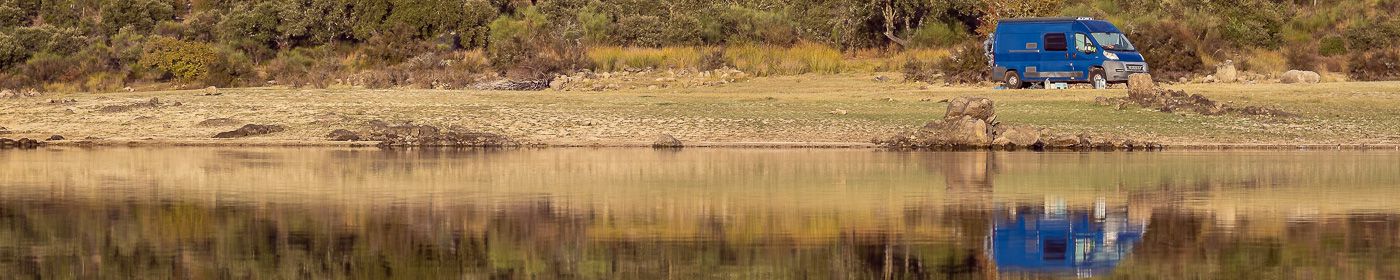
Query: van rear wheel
{"x": 1013, "y": 80}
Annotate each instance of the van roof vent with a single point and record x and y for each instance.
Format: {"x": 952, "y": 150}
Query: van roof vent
{"x": 1086, "y": 18}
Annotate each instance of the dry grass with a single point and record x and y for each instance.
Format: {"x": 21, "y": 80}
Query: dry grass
{"x": 804, "y": 58}
{"x": 769, "y": 109}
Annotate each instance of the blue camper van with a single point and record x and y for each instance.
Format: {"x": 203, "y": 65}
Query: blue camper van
{"x": 1070, "y": 50}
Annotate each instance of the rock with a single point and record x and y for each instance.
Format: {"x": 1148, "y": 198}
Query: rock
{"x": 4, "y": 130}
{"x": 666, "y": 141}
{"x": 881, "y": 79}
{"x": 1017, "y": 136}
{"x": 1062, "y": 142}
{"x": 975, "y": 107}
{"x": 22, "y": 143}
{"x": 1300, "y": 77}
{"x": 838, "y": 112}
{"x": 1209, "y": 79}
{"x": 343, "y": 135}
{"x": 151, "y": 104}
{"x": 26, "y": 143}
{"x": 1140, "y": 82}
{"x": 218, "y": 122}
{"x": 211, "y": 90}
{"x": 55, "y": 138}
{"x": 411, "y": 135}
{"x": 1226, "y": 73}
{"x": 128, "y": 89}
{"x": 251, "y": 130}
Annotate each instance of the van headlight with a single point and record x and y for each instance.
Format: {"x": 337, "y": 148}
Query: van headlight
{"x": 1110, "y": 56}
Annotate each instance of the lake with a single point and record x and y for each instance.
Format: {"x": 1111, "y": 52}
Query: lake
{"x": 580, "y": 213}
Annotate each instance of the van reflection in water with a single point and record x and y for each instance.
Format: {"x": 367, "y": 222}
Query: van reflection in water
{"x": 1055, "y": 240}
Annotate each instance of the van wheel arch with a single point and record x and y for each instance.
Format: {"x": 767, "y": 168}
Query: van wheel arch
{"x": 1099, "y": 72}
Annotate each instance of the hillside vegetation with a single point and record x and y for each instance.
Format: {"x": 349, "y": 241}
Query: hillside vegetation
{"x": 106, "y": 45}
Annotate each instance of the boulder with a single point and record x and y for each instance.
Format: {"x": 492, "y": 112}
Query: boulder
{"x": 26, "y": 143}
{"x": 1062, "y": 141}
{"x": 6, "y": 143}
{"x": 1300, "y": 77}
{"x": 411, "y": 135}
{"x": 211, "y": 90}
{"x": 666, "y": 141}
{"x": 974, "y": 107}
{"x": 1226, "y": 73}
{"x": 56, "y": 138}
{"x": 343, "y": 135}
{"x": 1141, "y": 84}
{"x": 251, "y": 130}
{"x": 1017, "y": 137}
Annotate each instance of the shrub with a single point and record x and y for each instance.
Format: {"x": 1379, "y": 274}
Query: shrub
{"x": 937, "y": 34}
{"x": 1303, "y": 57}
{"x": 1375, "y": 65}
{"x": 525, "y": 46}
{"x": 1332, "y": 45}
{"x": 230, "y": 68}
{"x": 139, "y": 14}
{"x": 1373, "y": 35}
{"x": 639, "y": 31}
{"x": 183, "y": 61}
{"x": 1170, "y": 48}
{"x": 966, "y": 64}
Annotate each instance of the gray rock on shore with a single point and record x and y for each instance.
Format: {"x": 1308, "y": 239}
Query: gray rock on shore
{"x": 1300, "y": 77}
{"x": 666, "y": 141}
{"x": 251, "y": 130}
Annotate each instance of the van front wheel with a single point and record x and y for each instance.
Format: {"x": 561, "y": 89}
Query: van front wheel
{"x": 1099, "y": 79}
{"x": 1013, "y": 80}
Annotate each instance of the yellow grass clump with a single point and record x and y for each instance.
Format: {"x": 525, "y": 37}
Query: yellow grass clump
{"x": 620, "y": 58}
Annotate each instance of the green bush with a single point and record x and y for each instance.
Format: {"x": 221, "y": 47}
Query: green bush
{"x": 139, "y": 14}
{"x": 180, "y": 60}
{"x": 1374, "y": 35}
{"x": 1332, "y": 45}
{"x": 937, "y": 34}
{"x": 639, "y": 31}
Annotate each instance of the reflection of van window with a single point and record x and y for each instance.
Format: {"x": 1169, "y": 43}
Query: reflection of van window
{"x": 1056, "y": 42}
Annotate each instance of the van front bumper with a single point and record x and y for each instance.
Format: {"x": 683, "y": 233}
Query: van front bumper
{"x": 1118, "y": 71}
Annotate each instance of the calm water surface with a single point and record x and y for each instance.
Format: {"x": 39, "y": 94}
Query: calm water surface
{"x": 288, "y": 213}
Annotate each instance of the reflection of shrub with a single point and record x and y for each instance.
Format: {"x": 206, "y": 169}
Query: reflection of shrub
{"x": 1375, "y": 65}
{"x": 183, "y": 61}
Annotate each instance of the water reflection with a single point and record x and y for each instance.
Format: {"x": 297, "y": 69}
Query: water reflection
{"x": 1054, "y": 239}
{"x": 642, "y": 214}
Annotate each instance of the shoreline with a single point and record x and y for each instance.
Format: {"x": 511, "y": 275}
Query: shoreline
{"x": 227, "y": 143}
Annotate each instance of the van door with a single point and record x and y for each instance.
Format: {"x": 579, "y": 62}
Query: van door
{"x": 1085, "y": 55}
{"x": 1055, "y": 63}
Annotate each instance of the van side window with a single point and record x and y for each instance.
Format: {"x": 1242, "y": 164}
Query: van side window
{"x": 1082, "y": 43}
{"x": 1056, "y": 42}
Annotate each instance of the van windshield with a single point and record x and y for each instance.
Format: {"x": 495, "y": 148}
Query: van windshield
{"x": 1114, "y": 41}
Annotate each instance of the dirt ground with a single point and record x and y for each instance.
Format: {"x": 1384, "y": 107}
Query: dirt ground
{"x": 842, "y": 110}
